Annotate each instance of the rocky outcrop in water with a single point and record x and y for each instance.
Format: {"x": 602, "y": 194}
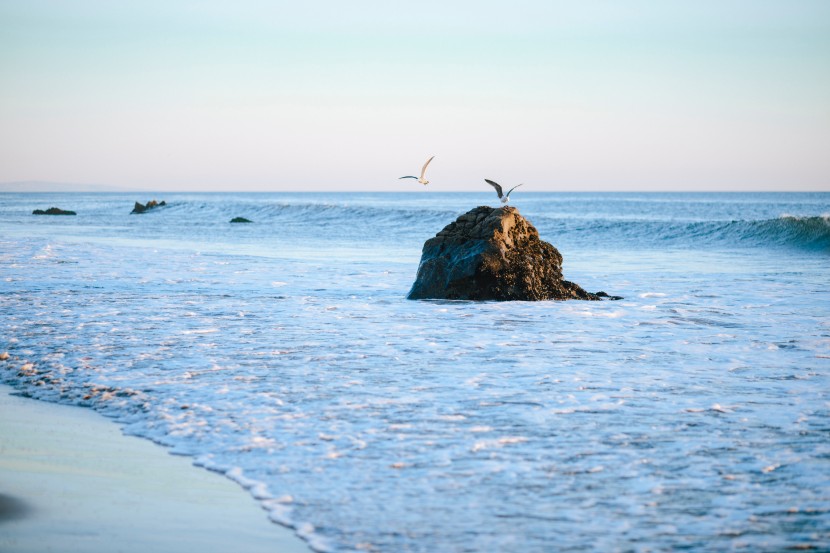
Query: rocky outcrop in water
{"x": 492, "y": 254}
{"x": 53, "y": 211}
{"x": 240, "y": 220}
{"x": 142, "y": 208}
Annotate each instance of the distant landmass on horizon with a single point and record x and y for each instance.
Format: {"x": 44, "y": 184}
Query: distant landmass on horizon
{"x": 48, "y": 186}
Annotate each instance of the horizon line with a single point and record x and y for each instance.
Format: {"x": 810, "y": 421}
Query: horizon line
{"x": 47, "y": 187}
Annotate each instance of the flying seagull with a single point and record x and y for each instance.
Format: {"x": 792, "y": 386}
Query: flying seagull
{"x": 423, "y": 170}
{"x": 503, "y": 197}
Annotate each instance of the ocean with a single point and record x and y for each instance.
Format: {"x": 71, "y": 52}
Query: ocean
{"x": 694, "y": 414}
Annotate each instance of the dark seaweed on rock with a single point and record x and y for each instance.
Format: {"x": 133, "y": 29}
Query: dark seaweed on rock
{"x": 53, "y": 211}
{"x": 142, "y": 208}
{"x": 492, "y": 254}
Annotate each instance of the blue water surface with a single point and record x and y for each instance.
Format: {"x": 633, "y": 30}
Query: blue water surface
{"x": 691, "y": 415}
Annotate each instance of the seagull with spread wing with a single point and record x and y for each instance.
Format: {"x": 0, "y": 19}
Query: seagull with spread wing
{"x": 423, "y": 170}
{"x": 503, "y": 197}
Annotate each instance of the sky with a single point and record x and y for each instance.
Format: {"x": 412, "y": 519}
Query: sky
{"x": 593, "y": 95}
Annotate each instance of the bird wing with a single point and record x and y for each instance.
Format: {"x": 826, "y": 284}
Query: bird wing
{"x": 495, "y": 185}
{"x": 512, "y": 189}
{"x": 407, "y": 177}
{"x": 424, "y": 169}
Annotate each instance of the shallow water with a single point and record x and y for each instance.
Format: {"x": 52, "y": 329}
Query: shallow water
{"x": 693, "y": 414}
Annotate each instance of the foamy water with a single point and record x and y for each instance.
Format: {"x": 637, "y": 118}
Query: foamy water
{"x": 693, "y": 414}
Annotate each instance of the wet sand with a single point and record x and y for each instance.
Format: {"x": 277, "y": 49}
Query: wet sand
{"x": 71, "y": 482}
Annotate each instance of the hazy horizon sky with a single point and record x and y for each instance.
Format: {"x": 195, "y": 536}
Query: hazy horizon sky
{"x": 272, "y": 95}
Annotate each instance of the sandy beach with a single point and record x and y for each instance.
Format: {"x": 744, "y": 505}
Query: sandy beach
{"x": 70, "y": 481}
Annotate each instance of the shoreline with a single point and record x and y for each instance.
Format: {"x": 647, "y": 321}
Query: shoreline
{"x": 71, "y": 481}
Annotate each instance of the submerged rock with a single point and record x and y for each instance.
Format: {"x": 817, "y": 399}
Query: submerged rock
{"x": 492, "y": 254}
{"x": 240, "y": 220}
{"x": 139, "y": 208}
{"x": 53, "y": 211}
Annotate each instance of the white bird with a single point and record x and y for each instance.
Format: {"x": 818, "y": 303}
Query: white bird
{"x": 503, "y": 197}
{"x": 423, "y": 170}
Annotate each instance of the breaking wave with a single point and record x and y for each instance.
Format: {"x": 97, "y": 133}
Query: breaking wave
{"x": 808, "y": 233}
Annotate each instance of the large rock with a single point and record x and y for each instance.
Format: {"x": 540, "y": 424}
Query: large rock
{"x": 492, "y": 254}
{"x": 142, "y": 208}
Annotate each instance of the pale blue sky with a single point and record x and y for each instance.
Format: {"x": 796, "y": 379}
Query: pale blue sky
{"x": 272, "y": 95}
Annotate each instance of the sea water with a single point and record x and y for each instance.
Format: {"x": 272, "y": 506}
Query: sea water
{"x": 694, "y": 414}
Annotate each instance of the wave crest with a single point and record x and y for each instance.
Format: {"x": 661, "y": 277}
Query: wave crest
{"x": 398, "y": 221}
{"x": 803, "y": 232}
